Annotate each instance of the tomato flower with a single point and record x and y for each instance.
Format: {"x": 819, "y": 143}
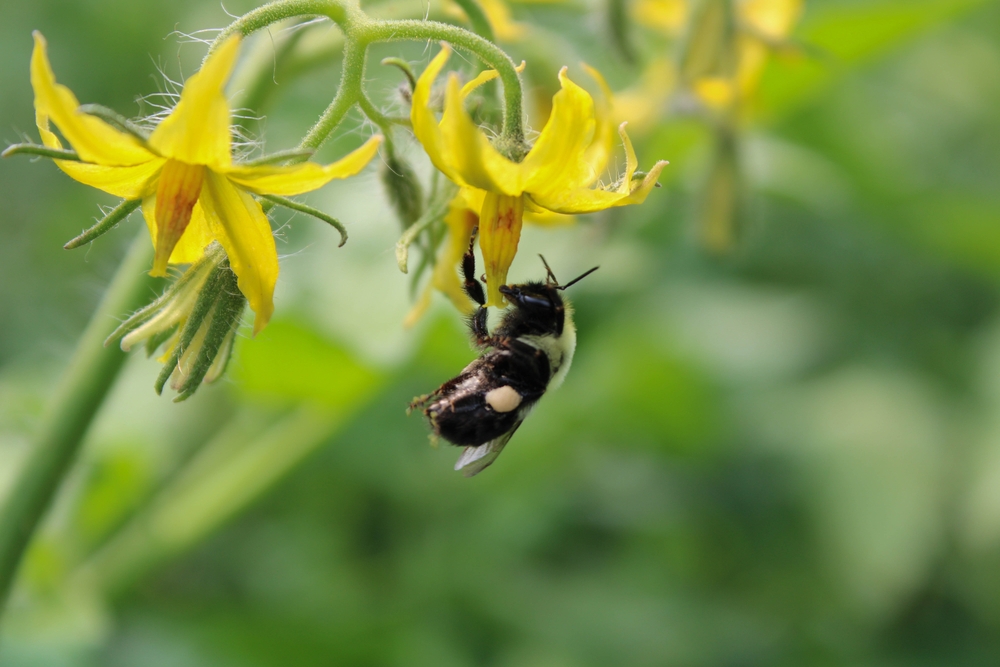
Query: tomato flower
{"x": 556, "y": 175}
{"x": 192, "y": 192}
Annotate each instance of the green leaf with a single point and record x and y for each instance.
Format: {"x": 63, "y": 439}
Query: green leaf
{"x": 289, "y": 361}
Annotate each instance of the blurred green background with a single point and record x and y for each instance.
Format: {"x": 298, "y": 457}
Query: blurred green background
{"x": 787, "y": 455}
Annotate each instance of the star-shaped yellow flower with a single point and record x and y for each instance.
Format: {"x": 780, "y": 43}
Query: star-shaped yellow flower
{"x": 556, "y": 175}
{"x": 192, "y": 193}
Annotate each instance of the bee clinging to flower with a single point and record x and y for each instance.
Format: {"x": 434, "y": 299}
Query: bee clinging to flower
{"x": 526, "y": 355}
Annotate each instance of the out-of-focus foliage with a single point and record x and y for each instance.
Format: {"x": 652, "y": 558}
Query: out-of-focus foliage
{"x": 784, "y": 455}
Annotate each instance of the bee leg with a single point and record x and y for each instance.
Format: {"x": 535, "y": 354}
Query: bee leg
{"x": 474, "y": 289}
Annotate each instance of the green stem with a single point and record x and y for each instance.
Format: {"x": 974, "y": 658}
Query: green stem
{"x": 241, "y": 463}
{"x": 88, "y": 378}
{"x": 347, "y": 96}
{"x": 280, "y": 10}
{"x": 360, "y": 31}
{"x": 393, "y": 31}
{"x": 477, "y": 17}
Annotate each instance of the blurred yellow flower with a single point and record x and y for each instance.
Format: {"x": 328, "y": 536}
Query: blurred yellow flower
{"x": 667, "y": 16}
{"x": 760, "y": 24}
{"x": 505, "y": 28}
{"x": 646, "y": 102}
{"x": 556, "y": 175}
{"x": 725, "y": 50}
{"x": 191, "y": 191}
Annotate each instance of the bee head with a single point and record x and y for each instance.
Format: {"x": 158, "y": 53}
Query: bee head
{"x": 540, "y": 304}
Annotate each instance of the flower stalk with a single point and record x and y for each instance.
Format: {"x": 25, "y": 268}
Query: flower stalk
{"x": 88, "y": 378}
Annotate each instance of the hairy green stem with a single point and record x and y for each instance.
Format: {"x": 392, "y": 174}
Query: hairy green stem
{"x": 347, "y": 96}
{"x": 89, "y": 376}
{"x": 360, "y": 31}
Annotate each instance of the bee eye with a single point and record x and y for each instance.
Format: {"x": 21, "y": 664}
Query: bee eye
{"x": 528, "y": 300}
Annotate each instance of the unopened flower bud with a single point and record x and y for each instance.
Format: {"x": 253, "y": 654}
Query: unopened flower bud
{"x": 195, "y": 320}
{"x": 403, "y": 188}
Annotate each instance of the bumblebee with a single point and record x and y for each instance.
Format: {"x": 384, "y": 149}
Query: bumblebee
{"x": 525, "y": 356}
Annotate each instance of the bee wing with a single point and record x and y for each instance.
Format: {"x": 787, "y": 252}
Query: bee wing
{"x": 476, "y": 459}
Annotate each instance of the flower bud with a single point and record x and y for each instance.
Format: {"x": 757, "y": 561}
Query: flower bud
{"x": 195, "y": 320}
{"x": 403, "y": 188}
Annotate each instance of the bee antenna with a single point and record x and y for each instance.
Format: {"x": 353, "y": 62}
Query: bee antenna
{"x": 551, "y": 276}
{"x": 577, "y": 279}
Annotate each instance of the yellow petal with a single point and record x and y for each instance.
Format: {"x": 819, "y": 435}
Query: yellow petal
{"x": 499, "y": 233}
{"x": 455, "y": 145}
{"x": 193, "y": 242}
{"x": 461, "y": 221}
{"x": 127, "y": 182}
{"x": 643, "y": 104}
{"x": 425, "y": 124}
{"x": 94, "y": 140}
{"x": 305, "y": 177}
{"x": 715, "y": 91}
{"x": 197, "y": 130}
{"x": 237, "y": 222}
{"x": 667, "y": 16}
{"x": 599, "y": 151}
{"x": 556, "y": 160}
{"x": 536, "y": 215}
{"x": 469, "y": 155}
{"x": 587, "y": 200}
{"x": 771, "y": 18}
{"x": 485, "y": 76}
{"x": 177, "y": 192}
{"x": 504, "y": 27}
{"x": 419, "y": 308}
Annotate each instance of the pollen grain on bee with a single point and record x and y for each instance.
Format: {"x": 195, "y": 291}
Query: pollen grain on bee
{"x": 503, "y": 399}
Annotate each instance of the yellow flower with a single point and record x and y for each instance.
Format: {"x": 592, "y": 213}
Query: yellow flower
{"x": 667, "y": 16}
{"x": 505, "y": 28}
{"x": 192, "y": 193}
{"x": 762, "y": 24}
{"x": 556, "y": 175}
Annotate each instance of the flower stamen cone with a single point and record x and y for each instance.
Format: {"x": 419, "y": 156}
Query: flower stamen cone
{"x": 176, "y": 195}
{"x": 499, "y": 234}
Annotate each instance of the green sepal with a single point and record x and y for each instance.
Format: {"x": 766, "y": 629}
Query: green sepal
{"x": 154, "y": 342}
{"x": 435, "y": 212}
{"x": 42, "y": 151}
{"x": 309, "y": 210}
{"x": 225, "y": 318}
{"x": 166, "y": 372}
{"x": 112, "y": 117}
{"x": 213, "y": 255}
{"x": 105, "y": 224}
{"x": 292, "y": 155}
{"x": 206, "y": 300}
{"x": 404, "y": 67}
